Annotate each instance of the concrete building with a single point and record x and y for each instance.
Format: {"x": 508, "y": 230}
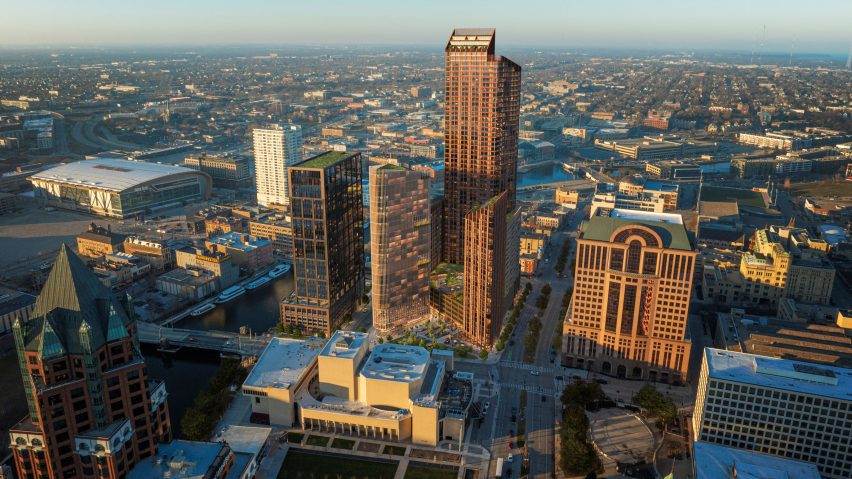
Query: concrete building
{"x": 276, "y": 228}
{"x": 190, "y": 283}
{"x": 158, "y": 254}
{"x": 655, "y": 147}
{"x": 393, "y": 392}
{"x": 446, "y": 293}
{"x": 247, "y": 252}
{"x": 628, "y": 312}
{"x": 328, "y": 241}
{"x": 400, "y": 241}
{"x": 226, "y": 171}
{"x": 674, "y": 170}
{"x": 275, "y": 148}
{"x": 93, "y": 412}
{"x": 119, "y": 188}
{"x": 778, "y": 264}
{"x": 651, "y": 190}
{"x": 567, "y": 198}
{"x": 606, "y": 202}
{"x": 787, "y": 140}
{"x": 482, "y": 100}
{"x": 98, "y": 241}
{"x": 190, "y": 460}
{"x": 713, "y": 461}
{"x": 485, "y": 271}
{"x": 221, "y": 265}
{"x": 790, "y": 409}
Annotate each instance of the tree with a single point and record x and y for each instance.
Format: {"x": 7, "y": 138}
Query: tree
{"x": 483, "y": 354}
{"x": 381, "y": 340}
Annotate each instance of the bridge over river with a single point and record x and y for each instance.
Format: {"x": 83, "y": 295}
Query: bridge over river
{"x": 172, "y": 339}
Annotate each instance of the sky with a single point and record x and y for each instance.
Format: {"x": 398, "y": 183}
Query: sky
{"x": 810, "y": 26}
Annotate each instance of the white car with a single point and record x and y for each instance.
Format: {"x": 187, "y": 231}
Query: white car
{"x": 535, "y": 373}
{"x": 509, "y": 459}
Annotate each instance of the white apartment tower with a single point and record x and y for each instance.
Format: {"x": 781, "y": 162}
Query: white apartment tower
{"x": 276, "y": 147}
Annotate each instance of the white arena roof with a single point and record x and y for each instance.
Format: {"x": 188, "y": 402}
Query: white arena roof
{"x": 110, "y": 174}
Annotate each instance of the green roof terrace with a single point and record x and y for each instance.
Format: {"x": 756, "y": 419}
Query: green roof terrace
{"x": 326, "y": 159}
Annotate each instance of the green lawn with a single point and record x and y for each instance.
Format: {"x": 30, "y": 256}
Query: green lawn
{"x": 741, "y": 196}
{"x": 307, "y": 464}
{"x": 339, "y": 443}
{"x": 394, "y": 450}
{"x": 821, "y": 188}
{"x": 295, "y": 437}
{"x": 419, "y": 470}
{"x": 317, "y": 441}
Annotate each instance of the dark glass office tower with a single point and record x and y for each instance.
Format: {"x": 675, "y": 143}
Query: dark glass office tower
{"x": 328, "y": 241}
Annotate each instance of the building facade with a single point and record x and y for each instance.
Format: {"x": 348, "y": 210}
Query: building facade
{"x": 481, "y": 131}
{"x": 485, "y": 271}
{"x": 93, "y": 413}
{"x": 783, "y": 408}
{"x": 226, "y": 171}
{"x": 328, "y": 241}
{"x": 400, "y": 241}
{"x": 98, "y": 241}
{"x": 628, "y": 312}
{"x": 275, "y": 148}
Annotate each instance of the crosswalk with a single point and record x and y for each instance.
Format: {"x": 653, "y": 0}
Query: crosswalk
{"x": 528, "y": 367}
{"x": 529, "y": 388}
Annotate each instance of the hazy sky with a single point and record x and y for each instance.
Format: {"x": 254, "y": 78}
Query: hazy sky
{"x": 818, "y": 26}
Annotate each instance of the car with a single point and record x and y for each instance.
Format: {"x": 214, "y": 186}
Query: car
{"x": 601, "y": 381}
{"x": 535, "y": 373}
{"x": 509, "y": 459}
{"x": 486, "y": 406}
{"x": 511, "y": 445}
{"x": 559, "y": 378}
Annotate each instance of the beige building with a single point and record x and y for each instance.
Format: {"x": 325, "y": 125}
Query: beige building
{"x": 392, "y": 392}
{"x": 156, "y": 253}
{"x": 400, "y": 241}
{"x": 567, "y": 198}
{"x": 276, "y": 228}
{"x": 98, "y": 241}
{"x": 628, "y": 312}
{"x": 652, "y": 190}
{"x": 779, "y": 264}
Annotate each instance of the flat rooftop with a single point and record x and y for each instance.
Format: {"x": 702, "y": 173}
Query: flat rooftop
{"x": 713, "y": 461}
{"x": 782, "y": 374}
{"x": 282, "y": 363}
{"x": 245, "y": 439}
{"x": 396, "y": 362}
{"x": 344, "y": 344}
{"x": 178, "y": 460}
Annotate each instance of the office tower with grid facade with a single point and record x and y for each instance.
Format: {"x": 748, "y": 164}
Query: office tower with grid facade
{"x": 400, "y": 239}
{"x": 276, "y": 147}
{"x": 485, "y": 270}
{"x": 775, "y": 406}
{"x": 328, "y": 241}
{"x": 633, "y": 281}
{"x": 482, "y": 103}
{"x": 93, "y": 412}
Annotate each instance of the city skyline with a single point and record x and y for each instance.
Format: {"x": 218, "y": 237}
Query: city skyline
{"x": 761, "y": 26}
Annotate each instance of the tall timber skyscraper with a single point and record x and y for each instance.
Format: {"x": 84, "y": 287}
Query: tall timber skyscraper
{"x": 93, "y": 412}
{"x": 482, "y": 97}
{"x": 400, "y": 240}
{"x": 276, "y": 147}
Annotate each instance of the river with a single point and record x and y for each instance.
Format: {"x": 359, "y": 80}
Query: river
{"x": 189, "y": 371}
{"x": 549, "y": 173}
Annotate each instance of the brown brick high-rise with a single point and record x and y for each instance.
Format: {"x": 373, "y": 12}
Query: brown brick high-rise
{"x": 632, "y": 286}
{"x": 93, "y": 413}
{"x": 482, "y": 98}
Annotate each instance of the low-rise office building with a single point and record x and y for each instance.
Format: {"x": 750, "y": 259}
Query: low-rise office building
{"x": 226, "y": 171}
{"x": 14, "y": 306}
{"x": 158, "y": 254}
{"x": 276, "y": 228}
{"x": 189, "y": 283}
{"x": 783, "y": 408}
{"x": 222, "y": 265}
{"x": 247, "y": 252}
